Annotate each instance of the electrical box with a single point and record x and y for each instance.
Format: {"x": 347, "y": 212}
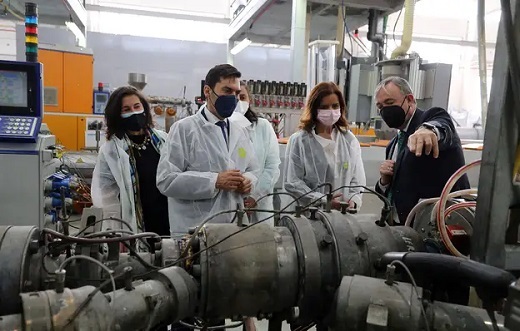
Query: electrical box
{"x": 363, "y": 81}
{"x": 67, "y": 95}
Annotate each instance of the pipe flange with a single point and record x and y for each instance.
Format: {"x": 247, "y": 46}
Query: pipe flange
{"x": 309, "y": 264}
{"x": 17, "y": 273}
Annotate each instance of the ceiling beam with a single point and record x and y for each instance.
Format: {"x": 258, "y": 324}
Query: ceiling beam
{"x": 78, "y": 12}
{"x": 258, "y": 39}
{"x": 364, "y": 4}
{"x": 155, "y": 13}
{"x": 246, "y": 17}
{"x": 437, "y": 40}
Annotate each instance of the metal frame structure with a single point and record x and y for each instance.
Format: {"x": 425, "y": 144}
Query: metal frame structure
{"x": 495, "y": 236}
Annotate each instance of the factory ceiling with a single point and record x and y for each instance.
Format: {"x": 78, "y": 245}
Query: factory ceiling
{"x": 269, "y": 21}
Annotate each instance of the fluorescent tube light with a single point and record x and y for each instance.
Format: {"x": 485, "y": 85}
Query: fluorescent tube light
{"x": 80, "y": 37}
{"x": 240, "y": 46}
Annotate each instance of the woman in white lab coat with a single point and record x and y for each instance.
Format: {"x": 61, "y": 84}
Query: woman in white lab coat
{"x": 267, "y": 153}
{"x": 324, "y": 151}
{"x": 124, "y": 179}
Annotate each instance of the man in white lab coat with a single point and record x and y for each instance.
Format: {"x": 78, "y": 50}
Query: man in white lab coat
{"x": 208, "y": 164}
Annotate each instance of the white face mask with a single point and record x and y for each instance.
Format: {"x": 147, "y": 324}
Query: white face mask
{"x": 131, "y": 113}
{"x": 242, "y": 107}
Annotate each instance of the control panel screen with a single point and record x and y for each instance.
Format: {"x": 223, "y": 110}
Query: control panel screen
{"x": 13, "y": 89}
{"x": 101, "y": 97}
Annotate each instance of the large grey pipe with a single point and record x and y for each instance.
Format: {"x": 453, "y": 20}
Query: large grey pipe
{"x": 169, "y": 297}
{"x": 364, "y": 304}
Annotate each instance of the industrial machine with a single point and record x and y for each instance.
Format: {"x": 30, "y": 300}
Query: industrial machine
{"x": 308, "y": 270}
{"x": 317, "y": 267}
{"x": 279, "y": 102}
{"x": 36, "y": 188}
{"x": 27, "y": 157}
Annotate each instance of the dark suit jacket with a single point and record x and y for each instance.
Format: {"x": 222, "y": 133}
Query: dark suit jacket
{"x": 424, "y": 177}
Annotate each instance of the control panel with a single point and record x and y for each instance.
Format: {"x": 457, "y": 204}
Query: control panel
{"x": 21, "y": 101}
{"x": 19, "y": 128}
{"x": 100, "y": 101}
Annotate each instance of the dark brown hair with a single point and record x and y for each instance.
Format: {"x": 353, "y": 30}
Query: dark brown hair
{"x": 250, "y": 114}
{"x": 113, "y": 119}
{"x": 309, "y": 116}
{"x": 219, "y": 72}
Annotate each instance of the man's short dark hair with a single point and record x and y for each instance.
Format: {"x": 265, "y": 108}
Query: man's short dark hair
{"x": 221, "y": 71}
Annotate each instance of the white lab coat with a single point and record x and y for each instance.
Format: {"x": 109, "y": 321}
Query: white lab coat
{"x": 267, "y": 154}
{"x": 306, "y": 167}
{"x": 195, "y": 153}
{"x": 111, "y": 187}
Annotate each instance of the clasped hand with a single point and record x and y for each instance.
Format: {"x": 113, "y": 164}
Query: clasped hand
{"x": 233, "y": 180}
{"x": 424, "y": 139}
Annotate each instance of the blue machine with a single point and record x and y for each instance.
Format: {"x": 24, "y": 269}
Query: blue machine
{"x": 27, "y": 157}
{"x": 21, "y": 101}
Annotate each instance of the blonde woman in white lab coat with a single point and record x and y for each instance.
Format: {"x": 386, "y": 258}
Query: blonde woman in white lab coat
{"x": 324, "y": 151}
{"x": 123, "y": 183}
{"x": 267, "y": 153}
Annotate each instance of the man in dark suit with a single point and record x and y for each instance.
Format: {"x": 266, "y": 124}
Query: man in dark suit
{"x": 424, "y": 154}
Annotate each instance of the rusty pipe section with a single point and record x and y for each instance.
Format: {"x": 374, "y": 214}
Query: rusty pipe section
{"x": 364, "y": 303}
{"x": 292, "y": 270}
{"x": 169, "y": 297}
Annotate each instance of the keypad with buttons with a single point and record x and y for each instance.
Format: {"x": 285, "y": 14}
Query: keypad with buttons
{"x": 17, "y": 126}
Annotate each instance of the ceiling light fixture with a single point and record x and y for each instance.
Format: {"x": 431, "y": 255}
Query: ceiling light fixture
{"x": 240, "y": 46}
{"x": 80, "y": 36}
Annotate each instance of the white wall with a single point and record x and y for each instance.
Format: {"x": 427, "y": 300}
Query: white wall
{"x": 7, "y": 40}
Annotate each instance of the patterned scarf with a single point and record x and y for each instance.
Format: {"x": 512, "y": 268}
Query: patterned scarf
{"x": 156, "y": 143}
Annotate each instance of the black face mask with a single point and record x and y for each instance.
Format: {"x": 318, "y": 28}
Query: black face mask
{"x": 225, "y": 104}
{"x": 394, "y": 115}
{"x": 135, "y": 122}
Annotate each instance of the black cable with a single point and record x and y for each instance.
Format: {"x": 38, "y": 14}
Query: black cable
{"x": 345, "y": 28}
{"x": 395, "y": 25}
{"x": 369, "y": 190}
{"x": 139, "y": 258}
{"x": 184, "y": 258}
{"x": 279, "y": 193}
{"x": 106, "y": 219}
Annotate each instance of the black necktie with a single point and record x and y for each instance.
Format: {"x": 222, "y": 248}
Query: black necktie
{"x": 401, "y": 139}
{"x": 223, "y": 127}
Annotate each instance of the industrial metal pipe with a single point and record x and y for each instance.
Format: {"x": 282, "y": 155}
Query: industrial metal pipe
{"x": 406, "y": 39}
{"x": 171, "y": 296}
{"x": 364, "y": 304}
{"x": 262, "y": 271}
{"x": 376, "y": 38}
{"x": 482, "y": 61}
